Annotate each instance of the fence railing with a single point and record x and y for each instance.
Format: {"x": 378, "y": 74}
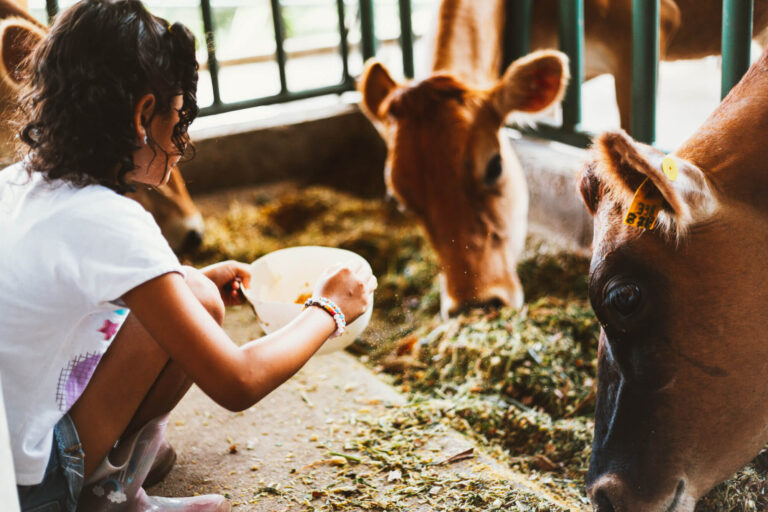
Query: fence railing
{"x": 736, "y": 40}
{"x": 368, "y": 44}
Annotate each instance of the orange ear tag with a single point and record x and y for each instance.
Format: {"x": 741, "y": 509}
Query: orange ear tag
{"x": 644, "y": 208}
{"x": 669, "y": 166}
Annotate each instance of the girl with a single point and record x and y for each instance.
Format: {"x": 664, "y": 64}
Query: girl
{"x": 102, "y": 331}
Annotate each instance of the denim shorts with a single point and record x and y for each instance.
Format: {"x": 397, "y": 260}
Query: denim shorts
{"x": 63, "y": 479}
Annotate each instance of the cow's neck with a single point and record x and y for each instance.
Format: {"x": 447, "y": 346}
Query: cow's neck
{"x": 731, "y": 147}
{"x": 469, "y": 40}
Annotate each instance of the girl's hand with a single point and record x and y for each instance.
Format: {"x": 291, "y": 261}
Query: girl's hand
{"x": 349, "y": 286}
{"x": 228, "y": 276}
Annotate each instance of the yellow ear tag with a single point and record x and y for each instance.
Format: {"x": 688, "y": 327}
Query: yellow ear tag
{"x": 669, "y": 166}
{"x": 644, "y": 208}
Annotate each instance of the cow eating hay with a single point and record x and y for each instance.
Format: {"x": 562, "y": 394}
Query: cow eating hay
{"x": 448, "y": 161}
{"x": 682, "y": 299}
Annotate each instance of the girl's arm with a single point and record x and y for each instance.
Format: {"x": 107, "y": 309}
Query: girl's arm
{"x": 237, "y": 377}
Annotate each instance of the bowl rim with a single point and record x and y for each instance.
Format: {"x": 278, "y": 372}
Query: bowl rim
{"x": 302, "y": 247}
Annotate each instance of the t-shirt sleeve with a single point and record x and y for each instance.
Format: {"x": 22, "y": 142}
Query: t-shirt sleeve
{"x": 115, "y": 247}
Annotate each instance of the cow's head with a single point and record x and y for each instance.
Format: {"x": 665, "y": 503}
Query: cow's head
{"x": 171, "y": 205}
{"x": 449, "y": 164}
{"x": 682, "y": 396}
{"x": 18, "y": 36}
{"x": 175, "y": 213}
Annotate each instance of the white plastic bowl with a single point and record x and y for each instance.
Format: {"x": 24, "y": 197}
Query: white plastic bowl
{"x": 280, "y": 278}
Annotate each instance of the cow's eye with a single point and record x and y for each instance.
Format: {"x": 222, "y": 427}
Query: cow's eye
{"x": 624, "y": 297}
{"x": 492, "y": 170}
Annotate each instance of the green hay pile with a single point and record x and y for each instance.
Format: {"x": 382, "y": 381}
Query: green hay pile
{"x": 523, "y": 379}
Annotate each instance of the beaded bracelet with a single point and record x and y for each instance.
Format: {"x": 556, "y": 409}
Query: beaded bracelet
{"x": 332, "y": 309}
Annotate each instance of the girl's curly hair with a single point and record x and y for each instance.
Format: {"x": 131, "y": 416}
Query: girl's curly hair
{"x": 84, "y": 79}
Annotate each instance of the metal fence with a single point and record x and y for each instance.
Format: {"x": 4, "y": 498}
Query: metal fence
{"x": 736, "y": 41}
{"x": 368, "y": 45}
{"x": 736, "y": 38}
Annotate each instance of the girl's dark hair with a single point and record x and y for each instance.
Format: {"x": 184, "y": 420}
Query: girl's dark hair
{"x": 84, "y": 80}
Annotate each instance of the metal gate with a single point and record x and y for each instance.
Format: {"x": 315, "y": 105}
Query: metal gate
{"x": 736, "y": 39}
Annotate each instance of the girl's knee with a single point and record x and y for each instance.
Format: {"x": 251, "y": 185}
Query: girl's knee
{"x": 207, "y": 293}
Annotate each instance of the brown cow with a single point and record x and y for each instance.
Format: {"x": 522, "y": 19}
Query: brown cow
{"x": 682, "y": 395}
{"x": 448, "y": 161}
{"x": 173, "y": 209}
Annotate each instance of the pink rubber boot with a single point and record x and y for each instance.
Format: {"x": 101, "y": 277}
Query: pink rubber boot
{"x": 117, "y": 488}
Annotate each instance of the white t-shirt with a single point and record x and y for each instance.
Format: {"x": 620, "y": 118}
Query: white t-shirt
{"x": 67, "y": 255}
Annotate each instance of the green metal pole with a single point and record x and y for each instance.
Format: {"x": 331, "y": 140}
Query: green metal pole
{"x": 210, "y": 43}
{"x": 737, "y": 39}
{"x": 406, "y": 37}
{"x": 279, "y": 27}
{"x": 344, "y": 45}
{"x": 645, "y": 69}
{"x": 52, "y": 7}
{"x": 367, "y": 29}
{"x": 571, "y": 30}
{"x": 517, "y": 31}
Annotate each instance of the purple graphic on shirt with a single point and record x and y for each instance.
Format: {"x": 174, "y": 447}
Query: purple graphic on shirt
{"x": 74, "y": 377}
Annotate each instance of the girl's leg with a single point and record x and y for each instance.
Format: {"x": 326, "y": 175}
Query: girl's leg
{"x": 134, "y": 382}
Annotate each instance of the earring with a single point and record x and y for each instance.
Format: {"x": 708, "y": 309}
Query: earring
{"x": 146, "y": 139}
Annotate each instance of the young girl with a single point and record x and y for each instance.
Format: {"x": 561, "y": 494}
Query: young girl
{"x": 102, "y": 331}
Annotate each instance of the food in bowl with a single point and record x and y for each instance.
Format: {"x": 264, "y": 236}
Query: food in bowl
{"x": 301, "y": 299}
{"x": 279, "y": 288}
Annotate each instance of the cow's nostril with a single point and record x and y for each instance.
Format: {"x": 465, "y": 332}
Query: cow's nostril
{"x": 192, "y": 241}
{"x": 602, "y": 502}
{"x": 495, "y": 303}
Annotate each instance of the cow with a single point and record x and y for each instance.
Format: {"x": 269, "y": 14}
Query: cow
{"x": 448, "y": 161}
{"x": 173, "y": 209}
{"x": 679, "y": 284}
{"x": 442, "y": 143}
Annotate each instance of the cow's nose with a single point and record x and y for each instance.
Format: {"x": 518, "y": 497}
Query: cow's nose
{"x": 611, "y": 493}
{"x": 607, "y": 494}
{"x": 487, "y": 304}
{"x": 492, "y": 303}
{"x": 602, "y": 502}
{"x": 192, "y": 241}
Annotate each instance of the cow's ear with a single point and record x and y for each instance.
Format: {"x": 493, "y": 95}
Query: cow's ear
{"x": 532, "y": 83}
{"x": 623, "y": 166}
{"x": 589, "y": 186}
{"x": 18, "y": 38}
{"x": 376, "y": 84}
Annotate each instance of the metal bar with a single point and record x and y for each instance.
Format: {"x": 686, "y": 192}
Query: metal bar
{"x": 210, "y": 43}
{"x": 279, "y": 25}
{"x": 517, "y": 31}
{"x": 406, "y": 37}
{"x": 367, "y": 29}
{"x": 343, "y": 43}
{"x": 52, "y": 6}
{"x": 645, "y": 69}
{"x": 295, "y": 54}
{"x": 278, "y": 98}
{"x": 545, "y": 130}
{"x": 737, "y": 40}
{"x": 571, "y": 32}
